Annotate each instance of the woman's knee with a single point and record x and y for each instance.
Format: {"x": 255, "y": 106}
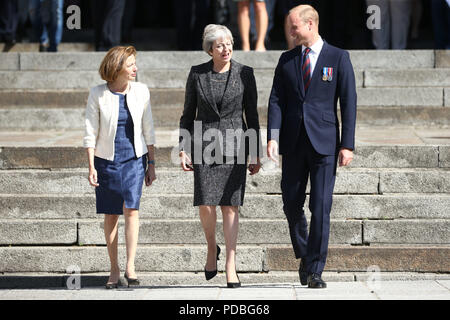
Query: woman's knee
{"x": 260, "y": 7}
{"x": 207, "y": 209}
{"x": 229, "y": 209}
{"x": 111, "y": 218}
{"x": 130, "y": 213}
{"x": 243, "y": 6}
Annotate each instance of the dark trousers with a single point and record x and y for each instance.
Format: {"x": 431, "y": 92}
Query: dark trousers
{"x": 107, "y": 16}
{"x": 190, "y": 32}
{"x": 321, "y": 169}
{"x": 9, "y": 17}
{"x": 441, "y": 23}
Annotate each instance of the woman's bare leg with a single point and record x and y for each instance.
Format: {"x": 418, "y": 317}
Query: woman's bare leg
{"x": 131, "y": 239}
{"x": 208, "y": 219}
{"x": 230, "y": 231}
{"x": 262, "y": 22}
{"x": 111, "y": 222}
{"x": 243, "y": 20}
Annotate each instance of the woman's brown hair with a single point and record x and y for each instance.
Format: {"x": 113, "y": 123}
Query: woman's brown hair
{"x": 113, "y": 62}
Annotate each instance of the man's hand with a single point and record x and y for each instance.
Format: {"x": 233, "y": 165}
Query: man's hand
{"x": 272, "y": 150}
{"x": 345, "y": 157}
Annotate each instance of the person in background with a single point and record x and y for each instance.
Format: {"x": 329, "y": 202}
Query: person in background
{"x": 270, "y": 7}
{"x": 107, "y": 20}
{"x": 191, "y": 17}
{"x": 47, "y": 19}
{"x": 119, "y": 140}
{"x": 395, "y": 21}
{"x": 261, "y": 22}
{"x": 416, "y": 17}
{"x": 440, "y": 10}
{"x": 8, "y": 21}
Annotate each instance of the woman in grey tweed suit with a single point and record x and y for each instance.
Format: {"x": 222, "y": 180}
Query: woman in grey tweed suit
{"x": 218, "y": 94}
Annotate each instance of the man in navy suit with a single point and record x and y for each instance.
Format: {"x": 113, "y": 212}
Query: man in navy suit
{"x": 303, "y": 124}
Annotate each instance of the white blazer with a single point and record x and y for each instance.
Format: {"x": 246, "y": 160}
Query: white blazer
{"x": 102, "y": 114}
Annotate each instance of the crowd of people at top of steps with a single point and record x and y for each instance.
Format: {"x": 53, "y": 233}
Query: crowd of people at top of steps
{"x": 113, "y": 20}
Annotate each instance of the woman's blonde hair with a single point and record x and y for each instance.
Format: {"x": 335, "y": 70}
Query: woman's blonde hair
{"x": 113, "y": 62}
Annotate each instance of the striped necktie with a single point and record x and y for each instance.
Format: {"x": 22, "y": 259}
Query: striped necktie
{"x": 306, "y": 69}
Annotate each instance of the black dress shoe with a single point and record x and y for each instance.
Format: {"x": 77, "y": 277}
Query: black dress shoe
{"x": 132, "y": 282}
{"x": 315, "y": 281}
{"x": 234, "y": 285}
{"x": 211, "y": 274}
{"x": 303, "y": 274}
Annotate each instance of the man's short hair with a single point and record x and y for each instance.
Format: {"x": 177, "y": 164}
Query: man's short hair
{"x": 305, "y": 13}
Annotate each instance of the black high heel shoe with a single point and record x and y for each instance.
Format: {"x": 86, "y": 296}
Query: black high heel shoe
{"x": 211, "y": 274}
{"x": 112, "y": 285}
{"x": 132, "y": 281}
{"x": 234, "y": 285}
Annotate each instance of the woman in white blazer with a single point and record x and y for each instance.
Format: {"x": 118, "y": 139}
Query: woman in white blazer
{"x": 119, "y": 139}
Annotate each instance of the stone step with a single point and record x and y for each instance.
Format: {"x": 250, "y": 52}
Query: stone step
{"x": 44, "y": 119}
{"x": 22, "y": 47}
{"x": 407, "y": 78}
{"x": 160, "y": 280}
{"x": 425, "y": 97}
{"x": 361, "y": 59}
{"x": 191, "y": 258}
{"x": 348, "y": 181}
{"x": 366, "y": 156}
{"x": 252, "y": 231}
{"x": 179, "y": 182}
{"x": 176, "y": 79}
{"x": 256, "y": 206}
{"x": 383, "y": 96}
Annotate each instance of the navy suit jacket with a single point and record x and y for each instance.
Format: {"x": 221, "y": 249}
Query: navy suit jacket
{"x": 289, "y": 106}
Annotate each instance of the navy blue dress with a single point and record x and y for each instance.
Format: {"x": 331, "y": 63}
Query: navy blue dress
{"x": 120, "y": 181}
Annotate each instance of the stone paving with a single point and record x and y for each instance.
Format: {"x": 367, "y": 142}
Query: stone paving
{"x": 383, "y": 290}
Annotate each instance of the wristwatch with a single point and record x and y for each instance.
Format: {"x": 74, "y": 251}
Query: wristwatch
{"x": 152, "y": 162}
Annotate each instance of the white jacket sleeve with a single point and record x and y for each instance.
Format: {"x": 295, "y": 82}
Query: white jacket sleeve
{"x": 147, "y": 119}
{"x": 92, "y": 121}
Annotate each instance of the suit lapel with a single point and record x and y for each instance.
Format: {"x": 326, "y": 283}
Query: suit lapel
{"x": 205, "y": 83}
{"x": 298, "y": 71}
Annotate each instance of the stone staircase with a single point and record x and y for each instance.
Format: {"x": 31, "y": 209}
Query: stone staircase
{"x": 391, "y": 207}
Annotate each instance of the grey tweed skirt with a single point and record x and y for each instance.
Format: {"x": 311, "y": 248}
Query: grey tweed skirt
{"x": 219, "y": 184}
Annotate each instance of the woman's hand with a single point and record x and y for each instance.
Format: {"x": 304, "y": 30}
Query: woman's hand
{"x": 254, "y": 167}
{"x": 186, "y": 162}
{"x": 150, "y": 175}
{"x": 93, "y": 177}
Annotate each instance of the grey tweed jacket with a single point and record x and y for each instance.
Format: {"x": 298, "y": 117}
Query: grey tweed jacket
{"x": 239, "y": 99}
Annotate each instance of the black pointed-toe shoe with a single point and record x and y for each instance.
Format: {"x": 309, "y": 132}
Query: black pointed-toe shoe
{"x": 112, "y": 285}
{"x": 132, "y": 282}
{"x": 211, "y": 274}
{"x": 234, "y": 285}
{"x": 315, "y": 281}
{"x": 303, "y": 274}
